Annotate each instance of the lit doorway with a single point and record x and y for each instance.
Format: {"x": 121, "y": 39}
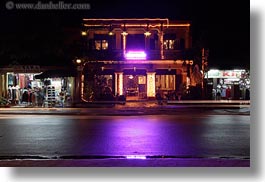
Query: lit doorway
{"x": 135, "y": 87}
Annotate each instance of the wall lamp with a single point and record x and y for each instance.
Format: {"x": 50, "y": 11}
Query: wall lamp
{"x": 147, "y": 34}
{"x": 84, "y": 33}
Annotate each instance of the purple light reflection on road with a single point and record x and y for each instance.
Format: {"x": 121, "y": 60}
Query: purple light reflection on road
{"x": 140, "y": 136}
{"x": 132, "y": 136}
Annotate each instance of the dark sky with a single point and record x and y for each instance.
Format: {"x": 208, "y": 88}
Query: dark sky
{"x": 224, "y": 26}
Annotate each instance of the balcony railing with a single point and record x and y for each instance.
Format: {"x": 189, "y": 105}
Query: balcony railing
{"x": 151, "y": 54}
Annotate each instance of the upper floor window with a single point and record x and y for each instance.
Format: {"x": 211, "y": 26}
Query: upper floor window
{"x": 176, "y": 44}
{"x": 101, "y": 44}
{"x": 169, "y": 41}
{"x": 169, "y": 44}
{"x": 101, "y": 41}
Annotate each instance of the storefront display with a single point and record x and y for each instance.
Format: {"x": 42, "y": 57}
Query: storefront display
{"x": 23, "y": 88}
{"x": 228, "y": 84}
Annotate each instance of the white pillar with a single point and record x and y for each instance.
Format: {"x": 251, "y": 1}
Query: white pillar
{"x": 118, "y": 83}
{"x": 150, "y": 84}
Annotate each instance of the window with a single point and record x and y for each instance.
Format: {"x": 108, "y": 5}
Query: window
{"x": 101, "y": 44}
{"x": 98, "y": 44}
{"x": 169, "y": 41}
{"x": 104, "y": 44}
{"x": 169, "y": 44}
{"x": 165, "y": 82}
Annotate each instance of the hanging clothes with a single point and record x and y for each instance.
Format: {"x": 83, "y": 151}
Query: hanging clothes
{"x": 22, "y": 80}
{"x": 13, "y": 93}
{"x": 9, "y": 93}
{"x": 25, "y": 96}
{"x": 223, "y": 93}
{"x": 17, "y": 95}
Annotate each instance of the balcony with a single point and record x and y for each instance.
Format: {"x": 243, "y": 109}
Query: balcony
{"x": 151, "y": 54}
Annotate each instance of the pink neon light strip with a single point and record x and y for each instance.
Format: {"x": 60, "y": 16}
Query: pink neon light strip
{"x": 134, "y": 55}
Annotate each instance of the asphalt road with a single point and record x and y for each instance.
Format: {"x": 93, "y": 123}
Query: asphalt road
{"x": 190, "y": 136}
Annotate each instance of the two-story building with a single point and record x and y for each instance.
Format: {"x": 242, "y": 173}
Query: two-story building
{"x": 138, "y": 57}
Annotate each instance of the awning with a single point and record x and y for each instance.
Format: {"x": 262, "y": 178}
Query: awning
{"x": 59, "y": 73}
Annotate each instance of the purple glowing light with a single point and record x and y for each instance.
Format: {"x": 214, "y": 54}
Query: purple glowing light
{"x": 135, "y": 55}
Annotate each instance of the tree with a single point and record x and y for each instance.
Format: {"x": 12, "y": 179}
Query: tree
{"x": 196, "y": 76}
{"x": 95, "y": 84}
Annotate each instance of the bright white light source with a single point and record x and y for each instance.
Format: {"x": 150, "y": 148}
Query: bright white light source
{"x": 78, "y": 61}
{"x": 135, "y": 55}
{"x": 135, "y": 157}
{"x": 83, "y": 33}
{"x": 147, "y": 34}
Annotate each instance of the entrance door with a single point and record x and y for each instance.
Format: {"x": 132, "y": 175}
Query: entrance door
{"x": 135, "y": 87}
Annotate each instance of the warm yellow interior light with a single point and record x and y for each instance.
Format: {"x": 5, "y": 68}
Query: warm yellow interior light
{"x": 147, "y": 34}
{"x": 124, "y": 33}
{"x": 78, "y": 61}
{"x": 83, "y": 33}
{"x": 151, "y": 84}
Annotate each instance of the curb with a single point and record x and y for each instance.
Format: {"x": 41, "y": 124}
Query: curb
{"x": 125, "y": 111}
{"x": 153, "y": 162}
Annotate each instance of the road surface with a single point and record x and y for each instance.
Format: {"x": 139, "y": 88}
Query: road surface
{"x": 90, "y": 136}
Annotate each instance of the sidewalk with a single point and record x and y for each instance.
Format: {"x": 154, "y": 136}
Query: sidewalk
{"x": 139, "y": 108}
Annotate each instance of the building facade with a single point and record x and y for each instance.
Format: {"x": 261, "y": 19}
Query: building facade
{"x": 137, "y": 57}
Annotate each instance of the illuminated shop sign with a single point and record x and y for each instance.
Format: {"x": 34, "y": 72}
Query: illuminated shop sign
{"x": 26, "y": 68}
{"x": 224, "y": 73}
{"x": 135, "y": 55}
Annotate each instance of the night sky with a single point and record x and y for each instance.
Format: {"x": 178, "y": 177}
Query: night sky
{"x": 222, "y": 26}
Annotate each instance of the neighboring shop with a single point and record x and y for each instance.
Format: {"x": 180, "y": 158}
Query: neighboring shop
{"x": 58, "y": 87}
{"x": 26, "y": 84}
{"x": 228, "y": 84}
{"x": 16, "y": 79}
